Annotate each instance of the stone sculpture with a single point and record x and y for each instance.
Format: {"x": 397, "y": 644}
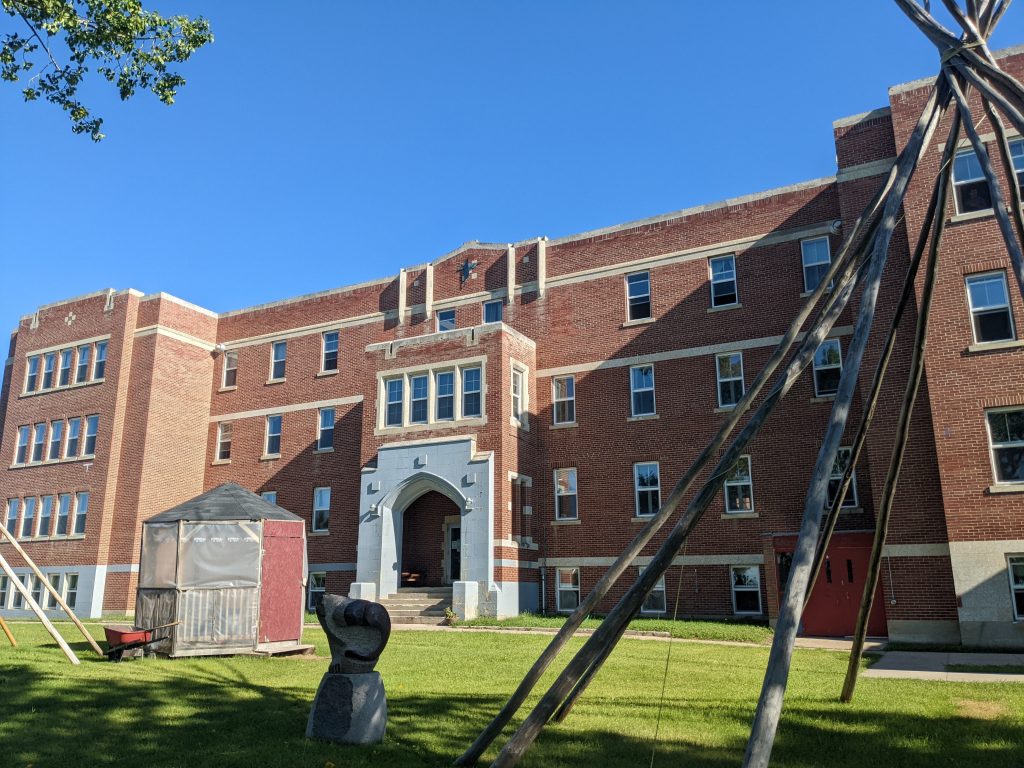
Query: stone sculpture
{"x": 350, "y": 706}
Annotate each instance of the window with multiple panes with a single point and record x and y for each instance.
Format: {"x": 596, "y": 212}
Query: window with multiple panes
{"x": 81, "y": 511}
{"x": 329, "y": 359}
{"x": 317, "y": 586}
{"x": 518, "y": 394}
{"x": 1017, "y": 158}
{"x": 321, "y": 508}
{"x": 28, "y": 517}
{"x": 13, "y": 507}
{"x": 655, "y": 601}
{"x": 32, "y": 374}
{"x": 638, "y": 296}
{"x": 21, "y": 451}
{"x": 74, "y": 435}
{"x": 471, "y": 405}
{"x": 92, "y": 425}
{"x": 493, "y": 310}
{"x": 565, "y": 494}
{"x": 729, "y": 374}
{"x": 325, "y": 436}
{"x": 647, "y": 488}
{"x": 63, "y": 513}
{"x": 5, "y": 589}
{"x": 970, "y": 187}
{"x": 434, "y": 396}
{"x": 746, "y": 589}
{"x": 393, "y": 403}
{"x": 278, "y": 359}
{"x": 739, "y": 487}
{"x": 828, "y": 368}
{"x": 567, "y": 593}
{"x": 18, "y": 601}
{"x": 99, "y": 367}
{"x": 46, "y": 515}
{"x": 64, "y": 378}
{"x": 224, "y": 430}
{"x": 71, "y": 589}
{"x": 641, "y": 386}
{"x": 816, "y": 259}
{"x": 446, "y": 320}
{"x": 272, "y": 445}
{"x": 52, "y": 370}
{"x": 836, "y": 478}
{"x": 230, "y": 368}
{"x": 989, "y": 301}
{"x": 563, "y": 394}
{"x": 724, "y": 292}
{"x": 444, "y": 395}
{"x": 82, "y": 371}
{"x": 1015, "y": 565}
{"x": 51, "y": 601}
{"x": 270, "y": 496}
{"x": 419, "y": 399}
{"x": 37, "y": 589}
{"x": 56, "y": 437}
{"x": 1006, "y": 438}
{"x": 49, "y": 363}
{"x": 38, "y": 442}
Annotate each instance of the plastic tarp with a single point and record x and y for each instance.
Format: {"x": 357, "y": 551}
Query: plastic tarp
{"x": 216, "y": 618}
{"x": 159, "y": 556}
{"x": 154, "y": 608}
{"x": 219, "y": 555}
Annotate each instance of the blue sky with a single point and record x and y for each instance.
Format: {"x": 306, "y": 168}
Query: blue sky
{"x": 323, "y": 149}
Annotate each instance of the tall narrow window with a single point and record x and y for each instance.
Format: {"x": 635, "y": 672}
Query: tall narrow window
{"x": 641, "y": 382}
{"x": 74, "y": 435}
{"x": 419, "y": 399}
{"x": 51, "y": 601}
{"x": 1006, "y": 438}
{"x": 32, "y": 374}
{"x": 471, "y": 406}
{"x": 565, "y": 495}
{"x": 393, "y": 406}
{"x": 329, "y": 361}
{"x": 49, "y": 362}
{"x": 21, "y": 451}
{"x": 81, "y": 511}
{"x": 5, "y": 589}
{"x": 638, "y": 296}
{"x": 71, "y": 589}
{"x": 13, "y": 507}
{"x": 38, "y": 442}
{"x": 990, "y": 307}
{"x": 317, "y": 586}
{"x": 828, "y": 368}
{"x": 82, "y": 371}
{"x": 836, "y": 478}
{"x": 729, "y": 370}
{"x": 99, "y": 367}
{"x": 37, "y": 590}
{"x": 1016, "y": 569}
{"x": 647, "y": 488}
{"x": 739, "y": 487}
{"x": 92, "y": 424}
{"x": 746, "y": 589}
{"x": 224, "y": 430}
{"x": 567, "y": 593}
{"x": 46, "y": 515}
{"x": 64, "y": 378}
{"x": 56, "y": 437}
{"x": 444, "y": 384}
{"x": 272, "y": 446}
{"x": 493, "y": 310}
{"x": 563, "y": 389}
{"x": 517, "y": 394}
{"x": 321, "y": 508}
{"x": 446, "y": 320}
{"x": 63, "y": 513}
{"x": 816, "y": 260}
{"x": 17, "y": 602}
{"x": 325, "y": 436}
{"x": 230, "y": 369}
{"x": 723, "y": 281}
{"x": 278, "y": 356}
{"x": 1017, "y": 156}
{"x": 655, "y": 601}
{"x": 969, "y": 183}
{"x": 28, "y": 518}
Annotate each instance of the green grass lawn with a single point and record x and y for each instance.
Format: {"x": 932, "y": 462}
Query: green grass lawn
{"x": 444, "y": 686}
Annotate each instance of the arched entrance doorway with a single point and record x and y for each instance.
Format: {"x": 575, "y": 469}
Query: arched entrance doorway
{"x": 431, "y": 542}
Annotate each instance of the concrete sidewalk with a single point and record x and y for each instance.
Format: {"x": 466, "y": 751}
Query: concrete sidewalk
{"x": 929, "y": 665}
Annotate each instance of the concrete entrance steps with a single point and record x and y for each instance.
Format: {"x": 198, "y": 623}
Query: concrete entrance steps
{"x": 418, "y": 605}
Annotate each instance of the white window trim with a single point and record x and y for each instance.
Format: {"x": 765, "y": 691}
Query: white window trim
{"x": 491, "y": 302}
{"x": 728, "y": 482}
{"x": 267, "y": 434}
{"x": 636, "y": 489}
{"x": 803, "y": 262}
{"x": 85, "y": 435}
{"x": 555, "y": 399}
{"x": 434, "y": 402}
{"x": 957, "y": 183}
{"x": 320, "y": 429}
{"x": 228, "y": 355}
{"x": 735, "y": 281}
{"x": 220, "y": 442}
{"x": 815, "y": 368}
{"x": 992, "y": 446}
{"x": 323, "y": 352}
{"x": 971, "y": 310}
{"x": 659, "y": 586}
{"x": 310, "y": 590}
{"x": 437, "y": 320}
{"x": 523, "y": 420}
{"x": 558, "y": 588}
{"x": 733, "y": 590}
{"x": 852, "y": 492}
{"x": 463, "y": 391}
{"x": 650, "y": 300}
{"x": 273, "y": 351}
{"x": 77, "y": 512}
{"x": 1010, "y": 560}
{"x": 407, "y": 374}
{"x": 719, "y": 380}
{"x": 96, "y": 360}
{"x": 312, "y": 520}
{"x": 554, "y": 482}
{"x": 653, "y": 390}
{"x": 78, "y": 362}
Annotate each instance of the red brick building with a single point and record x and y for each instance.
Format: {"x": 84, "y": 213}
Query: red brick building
{"x": 504, "y": 418}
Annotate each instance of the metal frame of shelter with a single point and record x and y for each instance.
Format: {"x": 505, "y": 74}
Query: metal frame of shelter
{"x": 966, "y": 64}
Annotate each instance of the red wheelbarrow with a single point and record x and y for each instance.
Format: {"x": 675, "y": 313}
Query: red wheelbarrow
{"x": 121, "y": 638}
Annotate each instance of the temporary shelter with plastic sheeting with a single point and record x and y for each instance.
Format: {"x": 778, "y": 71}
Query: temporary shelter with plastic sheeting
{"x": 229, "y": 567}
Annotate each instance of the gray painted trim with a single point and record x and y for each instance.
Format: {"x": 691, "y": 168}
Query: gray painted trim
{"x": 331, "y": 567}
{"x": 865, "y": 170}
{"x": 863, "y": 117}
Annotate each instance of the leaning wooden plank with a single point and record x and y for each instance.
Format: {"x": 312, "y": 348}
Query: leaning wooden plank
{"x": 7, "y": 631}
{"x": 27, "y": 597}
{"x": 53, "y": 592}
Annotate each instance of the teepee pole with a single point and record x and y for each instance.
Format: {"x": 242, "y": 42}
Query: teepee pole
{"x": 7, "y": 631}
{"x": 27, "y": 597}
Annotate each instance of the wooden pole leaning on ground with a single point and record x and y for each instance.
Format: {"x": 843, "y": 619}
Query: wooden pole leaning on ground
{"x": 53, "y": 592}
{"x": 7, "y": 631}
{"x": 27, "y": 597}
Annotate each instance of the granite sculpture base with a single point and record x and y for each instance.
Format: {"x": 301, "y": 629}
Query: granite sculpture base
{"x": 349, "y": 709}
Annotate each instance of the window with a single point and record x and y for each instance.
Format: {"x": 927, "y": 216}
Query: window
{"x": 278, "y": 355}
{"x": 230, "y": 368}
{"x": 270, "y": 496}
{"x": 38, "y": 442}
{"x": 638, "y": 296}
{"x": 329, "y": 360}
{"x": 517, "y": 394}
{"x": 1016, "y": 568}
{"x": 641, "y": 382}
{"x": 56, "y": 437}
{"x": 273, "y": 442}
{"x": 51, "y": 601}
{"x": 5, "y": 588}
{"x": 18, "y": 600}
{"x": 1017, "y": 156}
{"x": 32, "y": 374}
{"x": 568, "y": 589}
{"x": 739, "y": 487}
{"x": 46, "y": 515}
{"x": 655, "y": 601}
{"x": 836, "y": 478}
{"x": 13, "y": 506}
{"x": 471, "y": 393}
{"x": 723, "y": 281}
{"x": 816, "y": 260}
{"x": 317, "y": 587}
{"x": 74, "y": 433}
{"x": 565, "y": 495}
{"x": 828, "y": 368}
{"x": 446, "y": 320}
{"x": 746, "y": 589}
{"x": 81, "y": 510}
{"x": 28, "y": 518}
{"x": 63, "y": 509}
{"x": 647, "y": 488}
{"x": 82, "y": 372}
{"x": 224, "y": 430}
{"x": 321, "y": 508}
{"x": 49, "y": 361}
{"x": 970, "y": 187}
{"x": 393, "y": 410}
{"x": 325, "y": 438}
{"x": 21, "y": 451}
{"x": 419, "y": 399}
{"x": 729, "y": 371}
{"x": 65, "y": 367}
{"x": 1006, "y": 437}
{"x": 37, "y": 589}
{"x": 493, "y": 310}
{"x": 444, "y": 404}
{"x": 563, "y": 390}
{"x": 71, "y": 589}
{"x": 989, "y": 301}
{"x": 99, "y": 367}
{"x": 92, "y": 424}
